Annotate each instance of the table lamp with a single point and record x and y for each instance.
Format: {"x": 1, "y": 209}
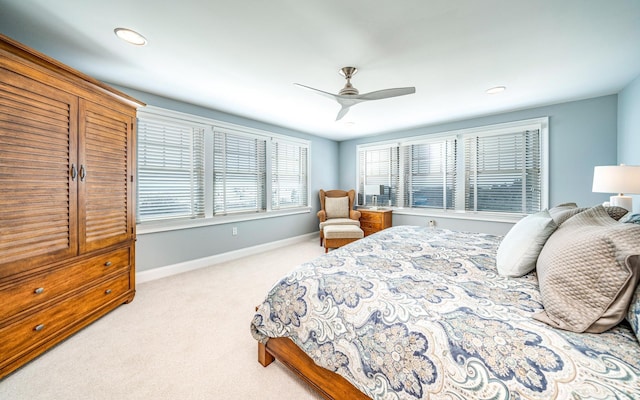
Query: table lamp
{"x": 374, "y": 192}
{"x": 619, "y": 179}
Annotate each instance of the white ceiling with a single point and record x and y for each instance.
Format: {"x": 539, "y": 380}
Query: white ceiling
{"x": 243, "y": 56}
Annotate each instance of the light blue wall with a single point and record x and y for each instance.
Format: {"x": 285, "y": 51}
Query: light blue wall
{"x": 160, "y": 249}
{"x": 629, "y": 129}
{"x": 582, "y": 134}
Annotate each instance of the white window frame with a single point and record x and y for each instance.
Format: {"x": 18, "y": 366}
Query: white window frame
{"x": 274, "y": 186}
{"x": 376, "y": 147}
{"x": 159, "y": 163}
{"x": 158, "y": 113}
{"x": 541, "y": 124}
{"x": 260, "y": 195}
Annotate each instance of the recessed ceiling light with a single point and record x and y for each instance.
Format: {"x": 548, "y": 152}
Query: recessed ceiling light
{"x": 130, "y": 36}
{"x": 497, "y": 89}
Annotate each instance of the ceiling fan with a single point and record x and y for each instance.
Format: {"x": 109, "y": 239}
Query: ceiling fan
{"x": 349, "y": 96}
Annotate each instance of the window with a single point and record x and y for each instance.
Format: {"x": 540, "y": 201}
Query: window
{"x": 289, "y": 177}
{"x": 503, "y": 172}
{"x": 239, "y": 173}
{"x": 379, "y": 175}
{"x": 430, "y": 174}
{"x": 496, "y": 169}
{"x": 170, "y": 170}
{"x": 192, "y": 168}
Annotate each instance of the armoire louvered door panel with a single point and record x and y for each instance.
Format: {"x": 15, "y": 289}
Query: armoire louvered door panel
{"x": 104, "y": 182}
{"x": 38, "y": 145}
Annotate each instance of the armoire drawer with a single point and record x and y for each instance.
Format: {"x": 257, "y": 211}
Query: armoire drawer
{"x": 47, "y": 285}
{"x": 31, "y": 330}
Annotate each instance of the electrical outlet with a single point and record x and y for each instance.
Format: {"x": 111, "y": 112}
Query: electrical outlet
{"x": 234, "y": 230}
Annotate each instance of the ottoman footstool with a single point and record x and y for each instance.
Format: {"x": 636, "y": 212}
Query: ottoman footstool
{"x": 339, "y": 235}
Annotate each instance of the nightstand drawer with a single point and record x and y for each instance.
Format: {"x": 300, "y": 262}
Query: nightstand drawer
{"x": 372, "y": 221}
{"x": 47, "y": 285}
{"x": 370, "y": 216}
{"x": 371, "y": 225}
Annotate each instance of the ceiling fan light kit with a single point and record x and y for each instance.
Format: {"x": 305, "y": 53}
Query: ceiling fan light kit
{"x": 350, "y": 96}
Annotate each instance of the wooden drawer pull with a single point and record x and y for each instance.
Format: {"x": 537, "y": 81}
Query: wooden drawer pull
{"x": 38, "y": 290}
{"x": 107, "y": 264}
{"x": 39, "y": 327}
{"x": 108, "y": 291}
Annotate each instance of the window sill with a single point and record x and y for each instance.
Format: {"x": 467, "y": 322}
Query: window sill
{"x": 172, "y": 225}
{"x": 476, "y": 216}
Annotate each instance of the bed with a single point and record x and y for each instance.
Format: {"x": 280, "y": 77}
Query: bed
{"x": 422, "y": 313}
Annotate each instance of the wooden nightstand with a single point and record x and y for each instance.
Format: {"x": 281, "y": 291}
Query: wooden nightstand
{"x": 372, "y": 221}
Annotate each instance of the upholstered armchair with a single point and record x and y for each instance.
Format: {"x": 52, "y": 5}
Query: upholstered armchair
{"x": 336, "y": 208}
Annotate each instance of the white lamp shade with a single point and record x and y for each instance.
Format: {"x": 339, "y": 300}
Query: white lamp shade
{"x": 372, "y": 190}
{"x": 616, "y": 179}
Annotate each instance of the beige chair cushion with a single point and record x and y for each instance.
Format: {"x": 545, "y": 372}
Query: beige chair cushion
{"x": 587, "y": 272}
{"x": 339, "y": 221}
{"x": 336, "y": 207}
{"x": 343, "y": 232}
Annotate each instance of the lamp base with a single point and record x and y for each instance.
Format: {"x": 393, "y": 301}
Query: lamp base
{"x": 625, "y": 202}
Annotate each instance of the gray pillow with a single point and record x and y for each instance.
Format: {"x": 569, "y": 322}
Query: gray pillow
{"x": 587, "y": 272}
{"x": 561, "y": 214}
{"x": 633, "y": 315}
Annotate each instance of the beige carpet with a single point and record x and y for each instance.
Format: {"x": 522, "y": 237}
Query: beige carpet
{"x": 183, "y": 337}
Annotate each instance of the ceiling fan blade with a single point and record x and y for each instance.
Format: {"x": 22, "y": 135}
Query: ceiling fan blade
{"x": 345, "y": 101}
{"x": 343, "y": 111}
{"x": 386, "y": 93}
{"x": 318, "y": 91}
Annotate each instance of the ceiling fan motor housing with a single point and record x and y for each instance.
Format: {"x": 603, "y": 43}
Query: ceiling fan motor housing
{"x": 348, "y": 89}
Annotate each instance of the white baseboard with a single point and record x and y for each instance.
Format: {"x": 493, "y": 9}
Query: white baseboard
{"x": 174, "y": 269}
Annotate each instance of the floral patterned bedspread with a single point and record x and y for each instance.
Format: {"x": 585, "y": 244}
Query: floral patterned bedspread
{"x": 413, "y": 312}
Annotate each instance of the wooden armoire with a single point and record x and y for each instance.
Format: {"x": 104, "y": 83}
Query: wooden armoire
{"x": 67, "y": 200}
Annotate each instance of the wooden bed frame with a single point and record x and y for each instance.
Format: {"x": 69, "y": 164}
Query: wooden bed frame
{"x": 329, "y": 384}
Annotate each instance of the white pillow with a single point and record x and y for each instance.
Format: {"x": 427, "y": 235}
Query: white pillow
{"x": 519, "y": 250}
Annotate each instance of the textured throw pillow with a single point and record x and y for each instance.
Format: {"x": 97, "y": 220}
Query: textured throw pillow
{"x": 633, "y": 315}
{"x": 561, "y": 214}
{"x": 587, "y": 272}
{"x": 519, "y": 250}
{"x": 336, "y": 207}
{"x": 616, "y": 212}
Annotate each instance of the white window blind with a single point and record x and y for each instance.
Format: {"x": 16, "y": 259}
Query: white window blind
{"x": 430, "y": 174}
{"x": 170, "y": 170}
{"x": 499, "y": 168}
{"x": 289, "y": 165}
{"x": 379, "y": 172}
{"x": 239, "y": 173}
{"x": 503, "y": 172}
